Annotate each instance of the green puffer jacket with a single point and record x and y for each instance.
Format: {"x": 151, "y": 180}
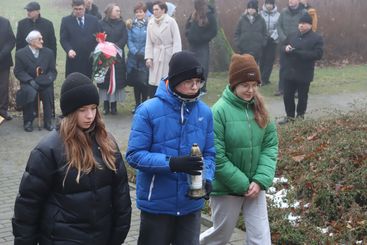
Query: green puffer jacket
{"x": 245, "y": 152}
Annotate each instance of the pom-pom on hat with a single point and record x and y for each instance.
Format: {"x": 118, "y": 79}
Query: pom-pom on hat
{"x": 243, "y": 68}
{"x": 77, "y": 91}
{"x": 184, "y": 66}
{"x": 306, "y": 18}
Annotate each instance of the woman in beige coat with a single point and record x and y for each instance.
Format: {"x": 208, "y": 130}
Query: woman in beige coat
{"x": 163, "y": 40}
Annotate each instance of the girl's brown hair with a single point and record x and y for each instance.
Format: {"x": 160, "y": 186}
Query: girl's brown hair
{"x": 108, "y": 11}
{"x": 199, "y": 14}
{"x": 260, "y": 111}
{"x": 79, "y": 147}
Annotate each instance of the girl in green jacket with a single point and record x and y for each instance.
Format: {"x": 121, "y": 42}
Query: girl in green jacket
{"x": 247, "y": 147}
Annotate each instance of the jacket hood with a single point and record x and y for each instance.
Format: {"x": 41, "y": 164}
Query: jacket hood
{"x": 271, "y": 12}
{"x": 233, "y": 99}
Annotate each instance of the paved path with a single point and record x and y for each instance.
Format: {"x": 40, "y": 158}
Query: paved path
{"x": 15, "y": 145}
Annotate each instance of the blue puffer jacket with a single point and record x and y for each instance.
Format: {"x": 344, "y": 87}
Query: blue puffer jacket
{"x": 162, "y": 127}
{"x": 136, "y": 43}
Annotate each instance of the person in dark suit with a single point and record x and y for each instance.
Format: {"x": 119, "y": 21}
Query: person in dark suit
{"x": 301, "y": 50}
{"x": 34, "y": 21}
{"x": 36, "y": 70}
{"x": 7, "y": 43}
{"x": 77, "y": 37}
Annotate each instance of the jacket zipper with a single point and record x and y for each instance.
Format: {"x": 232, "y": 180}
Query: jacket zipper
{"x": 251, "y": 138}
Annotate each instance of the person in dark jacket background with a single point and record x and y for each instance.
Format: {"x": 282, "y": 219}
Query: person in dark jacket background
{"x": 163, "y": 131}
{"x": 201, "y": 27}
{"x": 92, "y": 9}
{"x": 34, "y": 21}
{"x": 77, "y": 38}
{"x": 74, "y": 189}
{"x": 35, "y": 68}
{"x": 137, "y": 35}
{"x": 113, "y": 25}
{"x": 251, "y": 34}
{"x": 301, "y": 51}
{"x": 7, "y": 43}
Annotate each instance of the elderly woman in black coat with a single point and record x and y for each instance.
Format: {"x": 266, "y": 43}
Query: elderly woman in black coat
{"x": 115, "y": 28}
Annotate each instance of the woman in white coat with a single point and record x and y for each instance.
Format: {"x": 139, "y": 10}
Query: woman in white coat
{"x": 163, "y": 40}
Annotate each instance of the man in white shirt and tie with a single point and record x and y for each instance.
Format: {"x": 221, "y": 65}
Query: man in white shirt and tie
{"x": 77, "y": 37}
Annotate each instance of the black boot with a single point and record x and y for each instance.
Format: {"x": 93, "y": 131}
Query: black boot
{"x": 106, "y": 107}
{"x": 113, "y": 108}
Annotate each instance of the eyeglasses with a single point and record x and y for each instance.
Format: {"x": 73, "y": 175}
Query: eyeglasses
{"x": 195, "y": 81}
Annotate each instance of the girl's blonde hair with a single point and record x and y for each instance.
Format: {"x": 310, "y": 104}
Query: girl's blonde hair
{"x": 79, "y": 145}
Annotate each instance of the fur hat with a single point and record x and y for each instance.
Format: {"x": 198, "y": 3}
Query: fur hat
{"x": 253, "y": 4}
{"x": 77, "y": 91}
{"x": 243, "y": 68}
{"x": 184, "y": 66}
{"x": 306, "y": 18}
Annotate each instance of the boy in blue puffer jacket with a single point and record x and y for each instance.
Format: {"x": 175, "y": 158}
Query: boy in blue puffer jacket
{"x": 163, "y": 131}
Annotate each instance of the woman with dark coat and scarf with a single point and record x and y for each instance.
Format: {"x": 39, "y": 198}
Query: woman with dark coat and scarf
{"x": 201, "y": 28}
{"x": 113, "y": 25}
{"x": 74, "y": 189}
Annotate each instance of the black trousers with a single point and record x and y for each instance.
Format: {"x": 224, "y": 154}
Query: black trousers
{"x": 290, "y": 88}
{"x": 162, "y": 229}
{"x": 267, "y": 60}
{"x": 29, "y": 110}
{"x": 152, "y": 89}
{"x": 140, "y": 94}
{"x": 4, "y": 91}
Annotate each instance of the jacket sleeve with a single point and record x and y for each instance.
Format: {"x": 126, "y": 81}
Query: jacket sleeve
{"x": 64, "y": 37}
{"x": 9, "y": 44}
{"x": 209, "y": 151}
{"x": 52, "y": 72}
{"x": 226, "y": 172}
{"x": 35, "y": 186}
{"x": 280, "y": 29}
{"x": 123, "y": 40}
{"x": 52, "y": 39}
{"x": 149, "y": 43}
{"x": 138, "y": 153}
{"x": 176, "y": 37}
{"x": 268, "y": 158}
{"x": 121, "y": 204}
{"x": 313, "y": 54}
{"x": 20, "y": 69}
{"x": 237, "y": 35}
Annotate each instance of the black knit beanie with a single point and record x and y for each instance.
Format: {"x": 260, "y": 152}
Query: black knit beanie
{"x": 77, "y": 91}
{"x": 306, "y": 18}
{"x": 253, "y": 4}
{"x": 270, "y": 2}
{"x": 184, "y": 66}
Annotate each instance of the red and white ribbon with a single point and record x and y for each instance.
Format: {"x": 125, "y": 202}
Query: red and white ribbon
{"x": 112, "y": 87}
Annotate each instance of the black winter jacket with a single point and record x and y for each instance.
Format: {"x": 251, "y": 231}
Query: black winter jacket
{"x": 300, "y": 63}
{"x": 97, "y": 210}
{"x": 197, "y": 35}
{"x": 44, "y": 26}
{"x": 116, "y": 33}
{"x": 7, "y": 42}
{"x": 250, "y": 38}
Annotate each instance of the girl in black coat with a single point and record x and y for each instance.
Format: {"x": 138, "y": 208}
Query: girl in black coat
{"x": 201, "y": 28}
{"x": 116, "y": 31}
{"x": 74, "y": 189}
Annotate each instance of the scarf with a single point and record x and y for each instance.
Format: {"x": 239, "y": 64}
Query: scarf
{"x": 159, "y": 20}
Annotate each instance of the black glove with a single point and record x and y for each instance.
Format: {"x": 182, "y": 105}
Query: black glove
{"x": 43, "y": 81}
{"x": 34, "y": 85}
{"x": 186, "y": 164}
{"x": 208, "y": 189}
{"x": 139, "y": 56}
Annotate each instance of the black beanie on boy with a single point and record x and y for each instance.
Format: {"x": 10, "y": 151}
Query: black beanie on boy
{"x": 184, "y": 66}
{"x": 76, "y": 91}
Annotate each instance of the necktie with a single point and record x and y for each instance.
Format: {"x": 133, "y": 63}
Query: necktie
{"x": 80, "y": 21}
